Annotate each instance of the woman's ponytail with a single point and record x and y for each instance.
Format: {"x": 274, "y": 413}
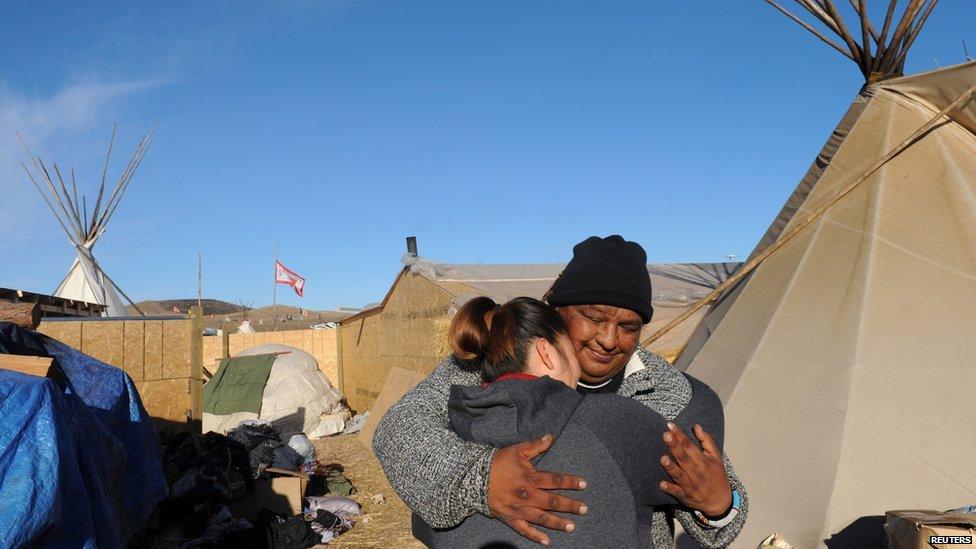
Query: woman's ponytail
{"x": 470, "y": 328}
{"x": 499, "y": 337}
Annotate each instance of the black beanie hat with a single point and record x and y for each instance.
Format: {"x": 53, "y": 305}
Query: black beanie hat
{"x": 606, "y": 271}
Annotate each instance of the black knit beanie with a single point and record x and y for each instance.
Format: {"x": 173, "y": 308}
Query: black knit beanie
{"x": 606, "y": 271}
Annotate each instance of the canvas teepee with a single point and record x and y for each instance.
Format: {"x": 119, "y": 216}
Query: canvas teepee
{"x": 86, "y": 280}
{"x": 843, "y": 349}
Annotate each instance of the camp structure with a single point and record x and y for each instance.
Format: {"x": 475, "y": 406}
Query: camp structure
{"x": 86, "y": 280}
{"x": 276, "y": 383}
{"x": 843, "y": 348}
{"x": 408, "y": 330}
{"x": 81, "y": 460}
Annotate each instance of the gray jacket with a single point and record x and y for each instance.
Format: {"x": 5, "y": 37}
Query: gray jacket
{"x": 444, "y": 478}
{"x": 610, "y": 440}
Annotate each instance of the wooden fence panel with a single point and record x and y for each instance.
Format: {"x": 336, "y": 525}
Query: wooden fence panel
{"x": 162, "y": 356}
{"x": 134, "y": 349}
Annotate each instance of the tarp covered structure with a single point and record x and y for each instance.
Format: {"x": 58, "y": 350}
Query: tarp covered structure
{"x": 79, "y": 457}
{"x": 277, "y": 383}
{"x": 845, "y": 359}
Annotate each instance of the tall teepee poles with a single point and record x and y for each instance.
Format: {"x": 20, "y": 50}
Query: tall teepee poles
{"x": 888, "y": 56}
{"x": 81, "y": 228}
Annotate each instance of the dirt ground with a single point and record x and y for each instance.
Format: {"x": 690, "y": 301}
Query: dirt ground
{"x": 384, "y": 524}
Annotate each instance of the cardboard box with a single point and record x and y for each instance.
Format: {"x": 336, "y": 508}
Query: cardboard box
{"x": 920, "y": 529}
{"x": 283, "y": 492}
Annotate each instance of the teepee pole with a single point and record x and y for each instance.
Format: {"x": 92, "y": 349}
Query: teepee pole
{"x": 812, "y": 30}
{"x": 124, "y": 180}
{"x": 810, "y": 218}
{"x": 72, "y": 207}
{"x": 101, "y": 185}
{"x": 73, "y": 216}
{"x": 71, "y": 237}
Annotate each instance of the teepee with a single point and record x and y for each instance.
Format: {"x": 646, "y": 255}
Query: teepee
{"x": 86, "y": 280}
{"x": 843, "y": 348}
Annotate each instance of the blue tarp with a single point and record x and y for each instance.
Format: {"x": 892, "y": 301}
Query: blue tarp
{"x": 80, "y": 461}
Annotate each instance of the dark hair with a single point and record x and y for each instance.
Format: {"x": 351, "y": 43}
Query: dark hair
{"x": 499, "y": 336}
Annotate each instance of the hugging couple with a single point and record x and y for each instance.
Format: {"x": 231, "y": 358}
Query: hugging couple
{"x": 550, "y": 424}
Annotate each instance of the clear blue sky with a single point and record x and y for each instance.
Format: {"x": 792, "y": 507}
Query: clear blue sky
{"x": 496, "y": 132}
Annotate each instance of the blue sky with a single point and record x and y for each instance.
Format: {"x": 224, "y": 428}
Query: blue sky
{"x": 496, "y": 132}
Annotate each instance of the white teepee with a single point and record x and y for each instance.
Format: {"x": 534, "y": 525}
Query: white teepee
{"x": 86, "y": 280}
{"x": 842, "y": 350}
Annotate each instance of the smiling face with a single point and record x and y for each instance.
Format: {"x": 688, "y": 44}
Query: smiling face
{"x": 603, "y": 338}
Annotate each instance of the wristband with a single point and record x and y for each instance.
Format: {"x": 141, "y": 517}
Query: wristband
{"x": 725, "y": 520}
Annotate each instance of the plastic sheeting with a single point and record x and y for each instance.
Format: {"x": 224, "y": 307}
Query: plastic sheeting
{"x": 79, "y": 457}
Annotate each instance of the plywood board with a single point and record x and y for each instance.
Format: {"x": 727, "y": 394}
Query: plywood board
{"x": 68, "y": 333}
{"x": 176, "y": 349}
{"x": 213, "y": 350}
{"x": 153, "y": 361}
{"x": 31, "y": 365}
{"x": 134, "y": 349}
{"x": 103, "y": 340}
{"x": 166, "y": 399}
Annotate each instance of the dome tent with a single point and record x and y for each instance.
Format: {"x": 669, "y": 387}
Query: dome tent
{"x": 280, "y": 384}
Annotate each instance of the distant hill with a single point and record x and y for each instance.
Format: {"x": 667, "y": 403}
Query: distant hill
{"x": 221, "y": 314}
{"x": 165, "y": 307}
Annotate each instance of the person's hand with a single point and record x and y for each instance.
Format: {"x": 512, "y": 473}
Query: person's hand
{"x": 517, "y": 492}
{"x": 698, "y": 475}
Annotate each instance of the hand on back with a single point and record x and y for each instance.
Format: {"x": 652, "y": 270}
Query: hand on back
{"x": 698, "y": 474}
{"x": 518, "y": 494}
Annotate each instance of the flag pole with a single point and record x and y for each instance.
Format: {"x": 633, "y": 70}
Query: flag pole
{"x": 274, "y": 292}
{"x": 200, "y": 280}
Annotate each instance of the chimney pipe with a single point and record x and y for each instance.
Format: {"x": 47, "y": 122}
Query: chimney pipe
{"x": 412, "y": 246}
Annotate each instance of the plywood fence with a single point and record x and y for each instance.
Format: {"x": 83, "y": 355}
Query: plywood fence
{"x": 321, "y": 344}
{"x": 163, "y": 356}
{"x": 409, "y": 332}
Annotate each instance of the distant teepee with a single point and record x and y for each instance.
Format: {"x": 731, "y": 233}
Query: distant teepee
{"x": 86, "y": 281}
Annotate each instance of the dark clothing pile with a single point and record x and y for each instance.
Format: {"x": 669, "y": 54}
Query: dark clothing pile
{"x": 327, "y": 479}
{"x": 207, "y": 473}
{"x": 265, "y": 447}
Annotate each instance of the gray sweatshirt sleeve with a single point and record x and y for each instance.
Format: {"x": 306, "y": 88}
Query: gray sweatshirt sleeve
{"x": 441, "y": 477}
{"x": 714, "y": 538}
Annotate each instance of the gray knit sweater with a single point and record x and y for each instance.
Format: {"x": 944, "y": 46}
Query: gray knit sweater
{"x": 445, "y": 479}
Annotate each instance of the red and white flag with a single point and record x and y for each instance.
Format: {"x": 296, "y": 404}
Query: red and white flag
{"x": 288, "y": 277}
